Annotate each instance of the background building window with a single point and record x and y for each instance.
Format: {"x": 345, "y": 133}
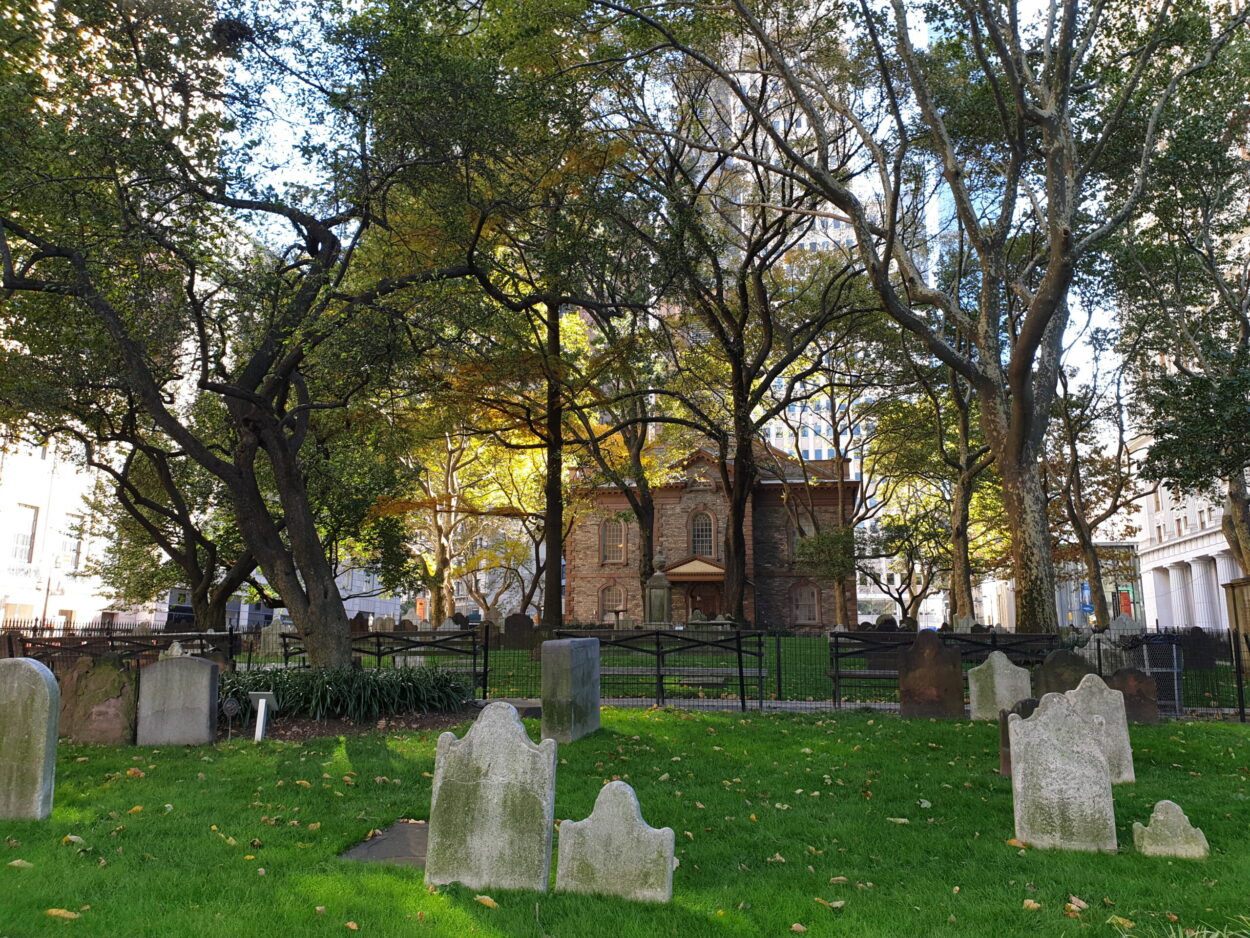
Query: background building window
{"x": 805, "y": 605}
{"x": 701, "y": 534}
{"x": 611, "y": 598}
{"x": 612, "y": 542}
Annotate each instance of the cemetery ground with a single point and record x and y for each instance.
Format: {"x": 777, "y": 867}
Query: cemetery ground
{"x": 848, "y": 823}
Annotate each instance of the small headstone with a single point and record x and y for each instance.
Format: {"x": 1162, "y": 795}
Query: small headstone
{"x": 383, "y": 624}
{"x": 996, "y": 685}
{"x": 1169, "y": 834}
{"x": 1060, "y": 782}
{"x": 99, "y": 702}
{"x": 1124, "y": 625}
{"x": 407, "y": 625}
{"x": 1060, "y": 672}
{"x": 570, "y": 688}
{"x": 930, "y": 680}
{"x": 614, "y": 852}
{"x": 1141, "y": 694}
{"x": 359, "y": 623}
{"x": 269, "y": 641}
{"x": 1092, "y": 698}
{"x": 29, "y": 704}
{"x": 1024, "y": 708}
{"x": 492, "y": 805}
{"x": 963, "y": 624}
{"x": 460, "y": 620}
{"x": 518, "y": 632}
{"x": 449, "y": 624}
{"x": 886, "y": 623}
{"x": 173, "y": 651}
{"x": 401, "y": 844}
{"x": 178, "y": 703}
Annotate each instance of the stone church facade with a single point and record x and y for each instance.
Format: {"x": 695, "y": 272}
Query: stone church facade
{"x": 691, "y": 511}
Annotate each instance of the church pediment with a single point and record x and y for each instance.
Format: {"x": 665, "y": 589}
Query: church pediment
{"x": 695, "y": 568}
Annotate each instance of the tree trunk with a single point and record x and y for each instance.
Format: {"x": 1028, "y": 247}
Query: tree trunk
{"x": 644, "y": 512}
{"x": 841, "y": 604}
{"x": 1236, "y": 522}
{"x": 961, "y": 564}
{"x": 209, "y": 616}
{"x": 1034, "y": 571}
{"x": 553, "y": 525}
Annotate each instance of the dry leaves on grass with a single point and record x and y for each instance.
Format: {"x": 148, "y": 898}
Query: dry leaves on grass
{"x": 61, "y": 913}
{"x": 829, "y": 905}
{"x": 486, "y": 901}
{"x": 1030, "y": 905}
{"x": 20, "y": 864}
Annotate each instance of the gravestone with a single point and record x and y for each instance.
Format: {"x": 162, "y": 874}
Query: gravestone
{"x": 1141, "y": 694}
{"x": 173, "y": 651}
{"x": 659, "y": 600}
{"x": 964, "y": 624}
{"x": 269, "y": 641}
{"x": 518, "y": 632}
{"x": 615, "y": 852}
{"x": 460, "y": 620}
{"x": 1024, "y": 708}
{"x": 492, "y": 805}
{"x": 930, "y": 680}
{"x": 449, "y": 624}
{"x": 359, "y": 624}
{"x": 99, "y": 702}
{"x": 1169, "y": 834}
{"x": 383, "y": 624}
{"x": 29, "y": 705}
{"x": 178, "y": 703}
{"x": 1093, "y": 698}
{"x": 908, "y": 624}
{"x": 1060, "y": 782}
{"x": 1123, "y": 626}
{"x": 886, "y": 623}
{"x": 570, "y": 691}
{"x": 996, "y": 685}
{"x": 1061, "y": 671}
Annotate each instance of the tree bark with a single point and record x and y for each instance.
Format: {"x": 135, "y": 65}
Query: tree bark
{"x": 961, "y": 564}
{"x": 1034, "y": 571}
{"x": 1236, "y": 522}
{"x": 553, "y": 525}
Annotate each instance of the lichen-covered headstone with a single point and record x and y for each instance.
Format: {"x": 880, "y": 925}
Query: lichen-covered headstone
{"x": 570, "y": 688}
{"x": 29, "y": 704}
{"x": 1092, "y": 697}
{"x": 1060, "y": 782}
{"x": 614, "y": 852}
{"x": 99, "y": 702}
{"x": 930, "y": 680}
{"x": 996, "y": 685}
{"x": 178, "y": 702}
{"x": 1061, "y": 671}
{"x": 1141, "y": 694}
{"x": 492, "y": 805}
{"x": 1169, "y": 834}
{"x": 1024, "y": 708}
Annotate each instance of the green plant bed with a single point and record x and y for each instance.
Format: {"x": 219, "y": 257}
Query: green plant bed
{"x": 771, "y": 811}
{"x": 353, "y": 693}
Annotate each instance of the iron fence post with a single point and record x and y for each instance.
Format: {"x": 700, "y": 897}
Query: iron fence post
{"x": 659, "y": 670}
{"x": 1235, "y": 637}
{"x": 1098, "y": 649}
{"x": 485, "y": 660}
{"x": 777, "y": 645}
{"x": 742, "y": 686}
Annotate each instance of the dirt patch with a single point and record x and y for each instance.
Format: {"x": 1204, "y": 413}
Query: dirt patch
{"x": 298, "y": 729}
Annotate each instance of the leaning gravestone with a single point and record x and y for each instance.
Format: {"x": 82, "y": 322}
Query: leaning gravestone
{"x": 1061, "y": 671}
{"x": 930, "y": 680}
{"x": 996, "y": 685}
{"x": 491, "y": 806}
{"x": 1060, "y": 782}
{"x": 1093, "y": 698}
{"x": 1024, "y": 708}
{"x": 29, "y": 703}
{"x": 1169, "y": 834}
{"x": 1141, "y": 694}
{"x": 615, "y": 852}
{"x": 570, "y": 688}
{"x": 178, "y": 703}
{"x": 99, "y": 701}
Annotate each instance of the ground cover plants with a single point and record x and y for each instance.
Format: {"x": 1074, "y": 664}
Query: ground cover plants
{"x": 849, "y": 823}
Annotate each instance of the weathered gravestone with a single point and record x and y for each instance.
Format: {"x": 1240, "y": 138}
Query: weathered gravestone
{"x": 492, "y": 805}
{"x": 359, "y": 624}
{"x": 29, "y": 704}
{"x": 178, "y": 703}
{"x": 964, "y": 624}
{"x": 930, "y": 680}
{"x": 570, "y": 688}
{"x": 996, "y": 685}
{"x": 1060, "y": 782}
{"x": 1092, "y": 698}
{"x": 615, "y": 852}
{"x": 449, "y": 624}
{"x": 518, "y": 632}
{"x": 99, "y": 701}
{"x": 1123, "y": 626}
{"x": 886, "y": 623}
{"x": 1061, "y": 671}
{"x": 1141, "y": 694}
{"x": 1169, "y": 834}
{"x": 1023, "y": 708}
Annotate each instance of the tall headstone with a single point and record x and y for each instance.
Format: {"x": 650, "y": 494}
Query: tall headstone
{"x": 1060, "y": 782}
{"x": 615, "y": 852}
{"x": 1092, "y": 698}
{"x": 1141, "y": 694}
{"x": 1023, "y": 708}
{"x": 659, "y": 606}
{"x": 996, "y": 685}
{"x": 1061, "y": 671}
{"x": 492, "y": 805}
{"x": 178, "y": 702}
{"x": 1169, "y": 834}
{"x": 29, "y": 705}
{"x": 930, "y": 680}
{"x": 570, "y": 688}
{"x": 518, "y": 632}
{"x": 99, "y": 702}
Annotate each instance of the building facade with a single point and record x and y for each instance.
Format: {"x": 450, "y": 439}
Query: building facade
{"x": 691, "y": 512}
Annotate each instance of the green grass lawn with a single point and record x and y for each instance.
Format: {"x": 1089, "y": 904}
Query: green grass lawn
{"x": 772, "y": 813}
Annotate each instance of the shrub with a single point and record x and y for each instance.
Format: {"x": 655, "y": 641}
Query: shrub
{"x": 351, "y": 693}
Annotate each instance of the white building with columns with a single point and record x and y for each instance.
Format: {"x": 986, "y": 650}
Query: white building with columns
{"x": 1184, "y": 561}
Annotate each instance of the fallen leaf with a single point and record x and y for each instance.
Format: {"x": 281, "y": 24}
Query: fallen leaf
{"x": 136, "y": 809}
{"x": 135, "y": 773}
{"x": 315, "y": 826}
{"x": 830, "y": 905}
{"x": 898, "y": 820}
{"x": 303, "y": 784}
{"x": 1031, "y": 906}
{"x": 20, "y": 864}
{"x": 797, "y": 927}
{"x": 61, "y": 913}
{"x": 320, "y": 910}
{"x": 1120, "y": 922}
{"x": 486, "y": 901}
{"x": 838, "y": 879}
{"x": 1077, "y": 904}
{"x": 353, "y": 926}
{"x": 1012, "y": 842}
{"x": 261, "y": 871}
